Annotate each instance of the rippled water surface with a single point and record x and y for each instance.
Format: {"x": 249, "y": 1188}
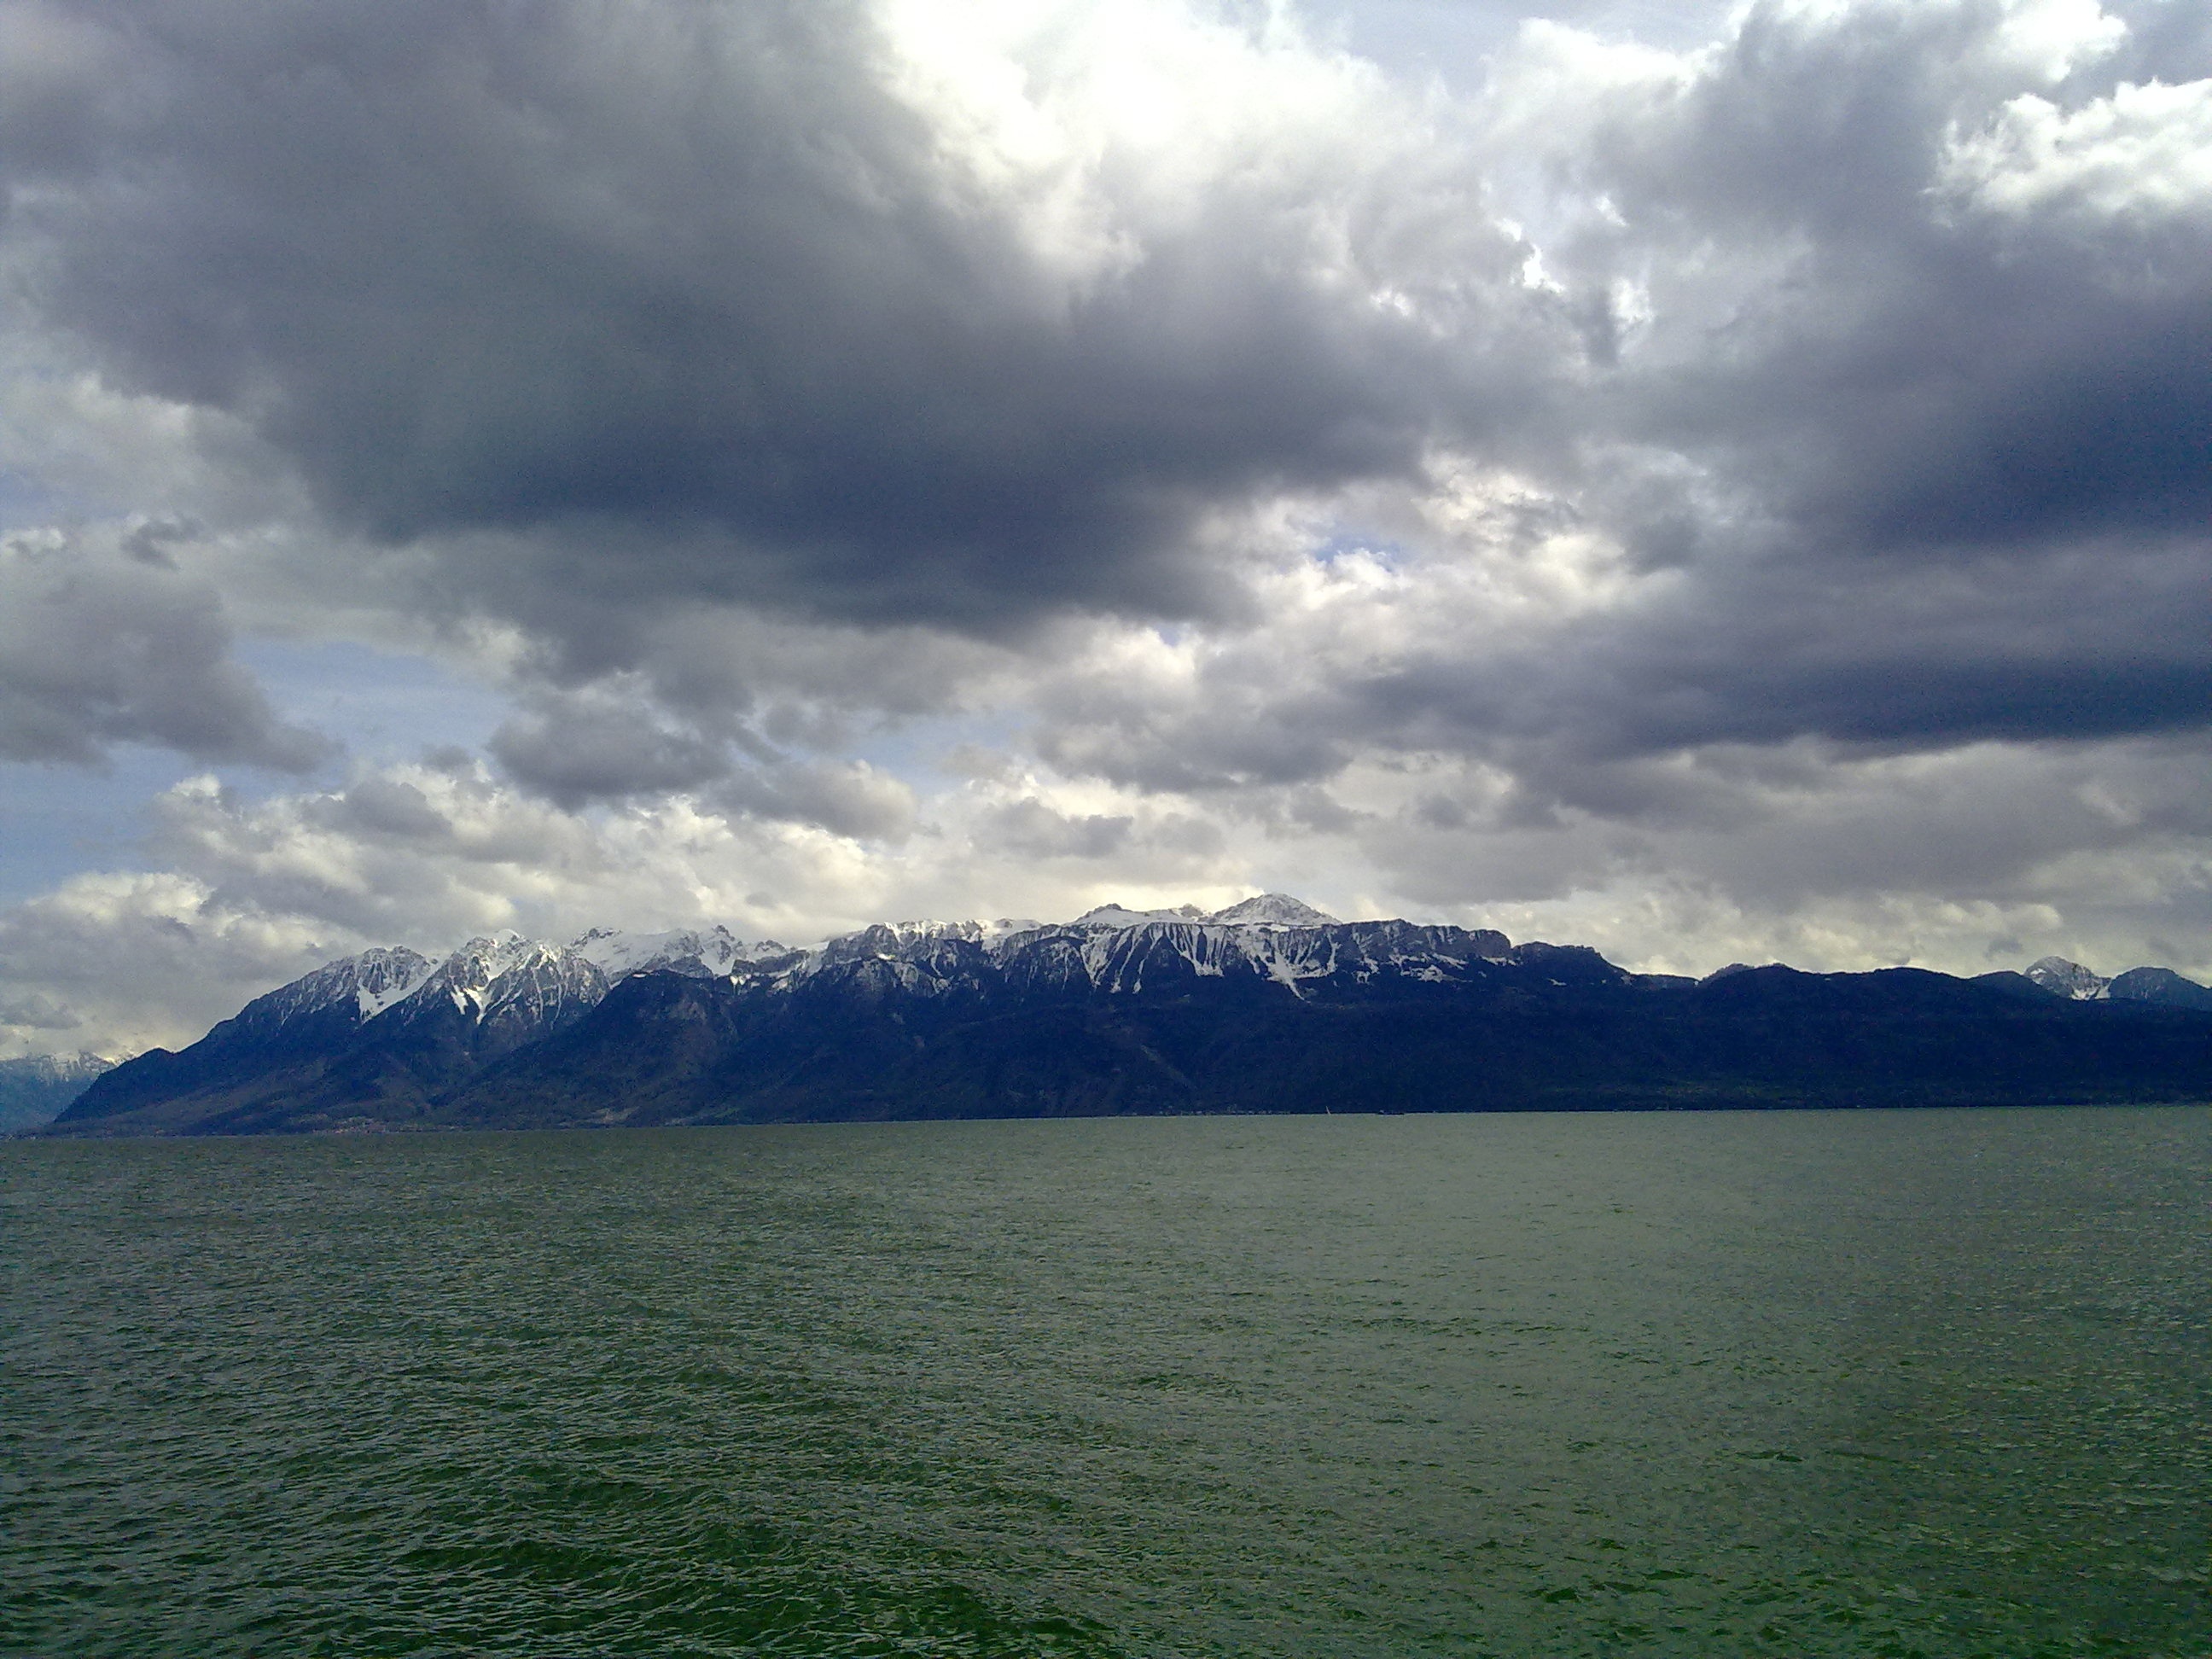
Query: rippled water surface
{"x": 1706, "y": 1384}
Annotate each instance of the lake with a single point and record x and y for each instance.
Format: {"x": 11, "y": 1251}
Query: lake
{"x": 1815, "y": 1383}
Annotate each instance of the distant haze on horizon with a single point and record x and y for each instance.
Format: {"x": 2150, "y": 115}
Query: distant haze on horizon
{"x": 1712, "y": 484}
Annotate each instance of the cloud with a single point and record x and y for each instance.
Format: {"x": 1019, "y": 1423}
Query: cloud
{"x": 1875, "y": 355}
{"x": 1986, "y": 856}
{"x": 918, "y": 322}
{"x": 255, "y": 890}
{"x": 101, "y": 647}
{"x": 1029, "y": 829}
{"x": 597, "y": 743}
{"x": 2144, "y": 153}
{"x": 1860, "y": 453}
{"x": 126, "y": 960}
{"x": 585, "y": 747}
{"x": 37, "y": 1013}
{"x": 901, "y": 312}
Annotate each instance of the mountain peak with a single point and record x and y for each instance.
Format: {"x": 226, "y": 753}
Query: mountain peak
{"x": 386, "y": 975}
{"x": 80, "y": 1067}
{"x": 1112, "y": 914}
{"x": 1262, "y": 910}
{"x": 695, "y": 952}
{"x": 35, "y": 1089}
{"x": 2069, "y": 980}
{"x": 1271, "y": 910}
{"x": 2157, "y": 985}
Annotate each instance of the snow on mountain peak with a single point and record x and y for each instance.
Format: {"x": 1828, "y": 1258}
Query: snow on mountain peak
{"x": 1262, "y": 910}
{"x": 487, "y": 958}
{"x": 363, "y": 985}
{"x": 507, "y": 977}
{"x": 1271, "y": 910}
{"x": 382, "y": 977}
{"x": 699, "y": 953}
{"x": 2069, "y": 980}
{"x": 79, "y": 1067}
{"x": 1119, "y": 915}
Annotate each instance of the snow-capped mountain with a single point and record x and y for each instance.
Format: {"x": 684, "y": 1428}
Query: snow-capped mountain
{"x": 2069, "y": 980}
{"x": 1262, "y": 910}
{"x": 388, "y": 1027}
{"x": 353, "y": 989}
{"x": 1271, "y": 910}
{"x": 35, "y": 1088}
{"x": 78, "y": 1068}
{"x": 507, "y": 983}
{"x": 2074, "y": 983}
{"x": 1119, "y": 951}
{"x": 392, "y": 1030}
{"x": 1257, "y": 1007}
{"x": 711, "y": 953}
{"x": 1118, "y": 915}
{"x": 2160, "y": 985}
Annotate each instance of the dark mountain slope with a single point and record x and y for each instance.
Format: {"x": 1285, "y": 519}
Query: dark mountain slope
{"x": 367, "y": 1042}
{"x": 2159, "y": 985}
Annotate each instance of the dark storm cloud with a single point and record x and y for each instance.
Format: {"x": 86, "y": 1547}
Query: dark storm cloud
{"x": 626, "y": 314}
{"x": 37, "y": 1013}
{"x": 1883, "y": 357}
{"x": 577, "y": 747}
{"x": 1909, "y": 427}
{"x": 2092, "y": 643}
{"x": 98, "y": 649}
{"x": 1955, "y": 400}
{"x": 689, "y": 290}
{"x": 1035, "y": 830}
{"x": 573, "y": 750}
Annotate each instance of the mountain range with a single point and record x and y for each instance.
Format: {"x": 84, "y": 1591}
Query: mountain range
{"x": 36, "y": 1088}
{"x": 1268, "y": 1005}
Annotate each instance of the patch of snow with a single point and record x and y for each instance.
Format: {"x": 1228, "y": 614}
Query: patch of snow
{"x": 383, "y": 977}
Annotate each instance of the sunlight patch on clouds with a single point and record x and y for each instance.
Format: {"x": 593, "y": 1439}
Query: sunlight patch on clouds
{"x": 1101, "y": 128}
{"x": 2143, "y": 152}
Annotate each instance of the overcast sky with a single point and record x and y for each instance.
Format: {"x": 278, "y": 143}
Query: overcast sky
{"x": 1712, "y": 484}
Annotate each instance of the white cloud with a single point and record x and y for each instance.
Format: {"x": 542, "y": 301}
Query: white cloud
{"x": 1984, "y": 858}
{"x": 2143, "y": 152}
{"x": 133, "y": 959}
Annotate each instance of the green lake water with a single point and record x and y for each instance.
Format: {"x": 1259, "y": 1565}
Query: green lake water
{"x": 1704, "y": 1384}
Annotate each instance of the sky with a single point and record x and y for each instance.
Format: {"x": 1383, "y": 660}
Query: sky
{"x": 1716, "y": 484}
